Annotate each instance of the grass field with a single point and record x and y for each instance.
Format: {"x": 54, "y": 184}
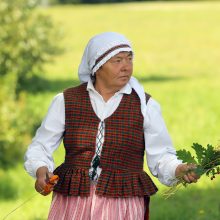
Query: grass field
{"x": 177, "y": 55}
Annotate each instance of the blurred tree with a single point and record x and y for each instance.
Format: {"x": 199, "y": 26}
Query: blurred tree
{"x": 96, "y": 1}
{"x": 14, "y": 131}
{"x": 27, "y": 41}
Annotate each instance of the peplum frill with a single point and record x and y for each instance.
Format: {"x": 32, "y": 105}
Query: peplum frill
{"x": 75, "y": 181}
{"x": 118, "y": 183}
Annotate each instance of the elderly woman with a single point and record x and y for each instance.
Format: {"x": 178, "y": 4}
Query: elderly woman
{"x": 107, "y": 124}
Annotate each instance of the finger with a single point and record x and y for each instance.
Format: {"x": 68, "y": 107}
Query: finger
{"x": 194, "y": 175}
{"x": 191, "y": 168}
{"x": 186, "y": 178}
{"x": 37, "y": 187}
{"x": 44, "y": 193}
{"x": 192, "y": 178}
{"x": 40, "y": 185}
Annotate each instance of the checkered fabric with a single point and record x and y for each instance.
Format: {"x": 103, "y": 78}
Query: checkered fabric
{"x": 122, "y": 153}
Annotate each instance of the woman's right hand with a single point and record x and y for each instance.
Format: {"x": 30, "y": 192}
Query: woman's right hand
{"x": 42, "y": 175}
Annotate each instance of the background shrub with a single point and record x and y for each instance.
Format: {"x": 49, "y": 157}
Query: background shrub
{"x": 27, "y": 41}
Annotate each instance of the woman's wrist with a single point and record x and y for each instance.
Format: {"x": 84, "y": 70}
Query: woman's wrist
{"x": 41, "y": 172}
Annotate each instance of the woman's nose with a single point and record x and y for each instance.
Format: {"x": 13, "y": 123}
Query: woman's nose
{"x": 126, "y": 63}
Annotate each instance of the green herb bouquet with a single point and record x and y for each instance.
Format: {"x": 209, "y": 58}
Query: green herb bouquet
{"x": 206, "y": 161}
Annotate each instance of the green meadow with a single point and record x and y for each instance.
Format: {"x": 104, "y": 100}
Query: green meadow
{"x": 177, "y": 59}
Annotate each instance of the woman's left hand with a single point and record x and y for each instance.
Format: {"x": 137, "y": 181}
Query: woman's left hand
{"x": 185, "y": 171}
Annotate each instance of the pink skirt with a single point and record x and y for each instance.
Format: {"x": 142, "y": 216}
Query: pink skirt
{"x": 97, "y": 208}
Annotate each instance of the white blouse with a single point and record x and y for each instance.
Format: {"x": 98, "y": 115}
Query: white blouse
{"x": 161, "y": 155}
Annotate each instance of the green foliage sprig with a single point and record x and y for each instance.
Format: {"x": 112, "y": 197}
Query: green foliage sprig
{"x": 206, "y": 161}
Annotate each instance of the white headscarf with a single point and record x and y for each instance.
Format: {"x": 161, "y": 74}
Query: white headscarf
{"x": 99, "y": 50}
{"x": 101, "y": 47}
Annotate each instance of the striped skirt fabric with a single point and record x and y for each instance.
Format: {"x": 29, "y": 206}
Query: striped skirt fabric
{"x": 96, "y": 208}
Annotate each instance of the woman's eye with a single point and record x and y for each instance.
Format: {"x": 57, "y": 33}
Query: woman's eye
{"x": 116, "y": 61}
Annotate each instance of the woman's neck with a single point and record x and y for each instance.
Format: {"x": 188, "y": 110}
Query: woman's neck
{"x": 105, "y": 92}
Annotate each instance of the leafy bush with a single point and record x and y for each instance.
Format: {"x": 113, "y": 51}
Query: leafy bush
{"x": 14, "y": 132}
{"x": 8, "y": 189}
{"x": 27, "y": 41}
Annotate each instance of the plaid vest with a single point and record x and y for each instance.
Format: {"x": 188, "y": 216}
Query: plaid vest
{"x": 122, "y": 153}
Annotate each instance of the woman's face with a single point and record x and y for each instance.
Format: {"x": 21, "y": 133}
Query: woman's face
{"x": 117, "y": 71}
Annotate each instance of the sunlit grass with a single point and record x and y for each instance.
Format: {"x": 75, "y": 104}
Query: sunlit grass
{"x": 177, "y": 57}
{"x": 165, "y": 36}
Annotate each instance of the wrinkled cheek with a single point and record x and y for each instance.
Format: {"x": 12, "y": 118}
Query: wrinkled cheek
{"x": 130, "y": 70}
